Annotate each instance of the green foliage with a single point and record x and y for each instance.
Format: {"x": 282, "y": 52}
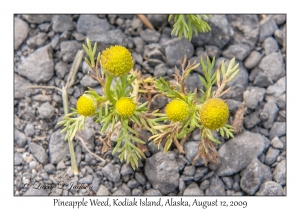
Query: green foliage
{"x": 187, "y": 24}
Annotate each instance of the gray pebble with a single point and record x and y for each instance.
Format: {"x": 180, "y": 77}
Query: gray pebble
{"x": 270, "y": 45}
{"x": 270, "y": 188}
{"x": 212, "y": 51}
{"x": 102, "y": 191}
{"x": 252, "y": 60}
{"x": 268, "y": 114}
{"x": 150, "y": 36}
{"x": 278, "y": 129}
{"x": 46, "y": 110}
{"x": 20, "y": 138}
{"x": 132, "y": 184}
{"x": 126, "y": 169}
{"x": 204, "y": 185}
{"x": 21, "y": 30}
{"x": 61, "y": 23}
{"x": 18, "y": 159}
{"x": 251, "y": 120}
{"x": 200, "y": 172}
{"x": 69, "y": 50}
{"x": 39, "y": 153}
{"x": 61, "y": 165}
{"x": 228, "y": 181}
{"x": 111, "y": 172}
{"x": 267, "y": 28}
{"x": 253, "y": 95}
{"x": 271, "y": 155}
{"x": 193, "y": 190}
{"x": 262, "y": 80}
{"x": 160, "y": 70}
{"x": 58, "y": 148}
{"x": 278, "y": 88}
{"x": 37, "y": 19}
{"x": 86, "y": 180}
{"x": 239, "y": 51}
{"x": 279, "y": 174}
{"x": 49, "y": 168}
{"x": 276, "y": 143}
{"x": 189, "y": 170}
{"x": 273, "y": 65}
{"x": 216, "y": 187}
{"x": 137, "y": 192}
{"x": 88, "y": 81}
{"x": 91, "y": 23}
{"x": 37, "y": 41}
{"x": 35, "y": 192}
{"x": 152, "y": 192}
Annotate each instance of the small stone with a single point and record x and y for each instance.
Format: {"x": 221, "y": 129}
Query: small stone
{"x": 193, "y": 82}
{"x": 132, "y": 184}
{"x": 228, "y": 182}
{"x": 204, "y": 185}
{"x": 267, "y": 28}
{"x": 44, "y": 27}
{"x": 236, "y": 186}
{"x": 39, "y": 153}
{"x": 139, "y": 44}
{"x": 46, "y": 110}
{"x": 281, "y": 101}
{"x": 61, "y": 165}
{"x": 37, "y": 19}
{"x": 150, "y": 36}
{"x": 159, "y": 103}
{"x": 102, "y": 191}
{"x": 276, "y": 143}
{"x": 212, "y": 51}
{"x": 270, "y": 45}
{"x": 175, "y": 49}
{"x": 268, "y": 114}
{"x": 157, "y": 20}
{"x": 278, "y": 88}
{"x": 49, "y": 168}
{"x": 254, "y": 175}
{"x": 233, "y": 105}
{"x": 126, "y": 169}
{"x": 189, "y": 170}
{"x": 160, "y": 70}
{"x": 273, "y": 65}
{"x": 65, "y": 36}
{"x": 191, "y": 150}
{"x": 88, "y": 81}
{"x": 21, "y": 30}
{"x": 251, "y": 120}
{"x": 32, "y": 164}
{"x": 279, "y": 18}
{"x": 18, "y": 159}
{"x": 69, "y": 49}
{"x": 58, "y": 147}
{"x": 111, "y": 172}
{"x": 270, "y": 188}
{"x": 37, "y": 41}
{"x": 193, "y": 190}
{"x": 122, "y": 191}
{"x": 162, "y": 172}
{"x": 38, "y": 66}
{"x": 239, "y": 51}
{"x": 91, "y": 23}
{"x": 253, "y": 95}
{"x": 278, "y": 129}
{"x": 279, "y": 174}
{"x": 61, "y": 23}
{"x": 238, "y": 152}
{"x": 86, "y": 180}
{"x": 262, "y": 80}
{"x": 216, "y": 187}
{"x": 152, "y": 192}
{"x": 29, "y": 129}
{"x": 252, "y": 60}
{"x": 271, "y": 155}
{"x": 21, "y": 87}
{"x": 280, "y": 36}
{"x": 61, "y": 68}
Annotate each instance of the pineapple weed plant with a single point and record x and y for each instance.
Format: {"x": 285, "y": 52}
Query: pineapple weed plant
{"x": 123, "y": 109}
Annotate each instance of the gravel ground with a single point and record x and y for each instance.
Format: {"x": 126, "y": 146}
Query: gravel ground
{"x": 251, "y": 163}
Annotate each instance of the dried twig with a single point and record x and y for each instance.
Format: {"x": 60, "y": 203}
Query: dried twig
{"x": 238, "y": 121}
{"x": 145, "y": 20}
{"x": 83, "y": 144}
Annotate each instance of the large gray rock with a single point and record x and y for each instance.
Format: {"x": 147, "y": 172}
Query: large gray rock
{"x": 175, "y": 50}
{"x": 21, "y": 87}
{"x": 107, "y": 38}
{"x": 238, "y": 152}
{"x": 219, "y": 28}
{"x": 254, "y": 175}
{"x": 58, "y": 147}
{"x": 278, "y": 88}
{"x": 37, "y": 41}
{"x": 245, "y": 27}
{"x": 279, "y": 174}
{"x": 270, "y": 188}
{"x": 91, "y": 23}
{"x": 111, "y": 172}
{"x": 38, "y": 66}
{"x": 20, "y": 33}
{"x": 61, "y": 23}
{"x": 268, "y": 114}
{"x": 69, "y": 49}
{"x": 37, "y": 19}
{"x": 216, "y": 187}
{"x": 270, "y": 45}
{"x": 39, "y": 153}
{"x": 162, "y": 172}
{"x": 252, "y": 60}
{"x": 273, "y": 65}
{"x": 46, "y": 110}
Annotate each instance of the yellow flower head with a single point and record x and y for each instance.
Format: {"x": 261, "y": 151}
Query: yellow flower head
{"x": 116, "y": 61}
{"x": 86, "y": 105}
{"x": 125, "y": 107}
{"x": 177, "y": 110}
{"x": 214, "y": 113}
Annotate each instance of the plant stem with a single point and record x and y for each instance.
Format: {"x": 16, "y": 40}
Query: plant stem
{"x": 107, "y": 89}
